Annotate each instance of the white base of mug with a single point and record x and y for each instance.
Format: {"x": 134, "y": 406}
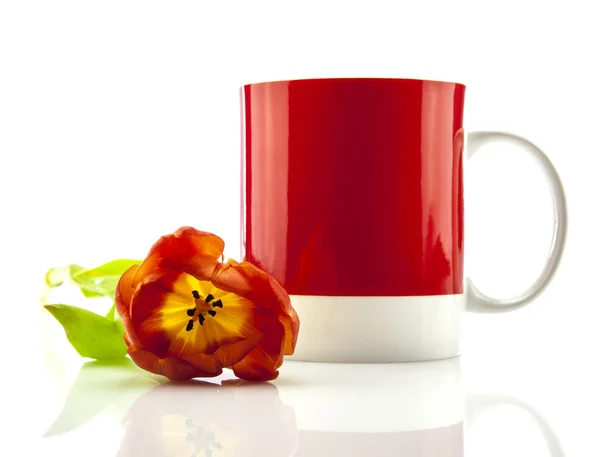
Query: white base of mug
{"x": 378, "y": 329}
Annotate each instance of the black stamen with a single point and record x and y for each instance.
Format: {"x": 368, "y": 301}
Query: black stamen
{"x": 196, "y": 294}
{"x": 190, "y": 325}
{"x": 209, "y": 297}
{"x": 212, "y": 312}
{"x": 190, "y": 312}
{"x": 218, "y": 304}
{"x": 201, "y": 319}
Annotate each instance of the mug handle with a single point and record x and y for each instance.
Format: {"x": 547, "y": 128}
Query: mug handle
{"x": 477, "y": 301}
{"x": 476, "y": 404}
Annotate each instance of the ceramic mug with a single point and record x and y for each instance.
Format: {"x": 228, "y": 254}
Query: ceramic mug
{"x": 352, "y": 198}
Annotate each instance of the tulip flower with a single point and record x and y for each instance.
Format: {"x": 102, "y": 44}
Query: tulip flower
{"x": 188, "y": 314}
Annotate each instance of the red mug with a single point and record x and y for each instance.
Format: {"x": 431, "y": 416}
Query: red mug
{"x": 352, "y": 198}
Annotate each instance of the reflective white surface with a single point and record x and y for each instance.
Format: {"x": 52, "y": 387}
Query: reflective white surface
{"x": 470, "y": 406}
{"x": 312, "y": 410}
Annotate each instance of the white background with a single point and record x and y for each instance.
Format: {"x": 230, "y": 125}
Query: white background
{"x": 119, "y": 122}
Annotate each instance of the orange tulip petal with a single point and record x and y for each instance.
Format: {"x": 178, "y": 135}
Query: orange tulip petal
{"x": 189, "y": 250}
{"x": 125, "y": 289}
{"x": 226, "y": 355}
{"x": 230, "y": 354}
{"x": 262, "y": 362}
{"x": 124, "y": 293}
{"x": 252, "y": 368}
{"x": 247, "y": 280}
{"x": 174, "y": 369}
{"x": 237, "y": 279}
{"x": 289, "y": 318}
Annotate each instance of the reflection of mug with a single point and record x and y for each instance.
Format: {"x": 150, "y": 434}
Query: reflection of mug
{"x": 353, "y": 199}
{"x": 314, "y": 410}
{"x": 415, "y": 409}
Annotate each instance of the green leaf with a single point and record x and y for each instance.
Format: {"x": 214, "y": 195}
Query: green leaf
{"x": 94, "y": 282}
{"x": 111, "y": 313}
{"x": 93, "y": 294}
{"x": 91, "y": 335}
{"x": 112, "y": 268}
{"x": 57, "y": 276}
{"x": 102, "y": 280}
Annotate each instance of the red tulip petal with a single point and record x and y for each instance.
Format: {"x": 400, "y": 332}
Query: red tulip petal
{"x": 175, "y": 369}
{"x": 187, "y": 250}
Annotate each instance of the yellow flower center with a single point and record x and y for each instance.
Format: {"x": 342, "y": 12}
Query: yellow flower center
{"x": 204, "y": 306}
{"x": 198, "y": 317}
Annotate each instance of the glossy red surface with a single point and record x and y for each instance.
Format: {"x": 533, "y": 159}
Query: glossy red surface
{"x": 354, "y": 187}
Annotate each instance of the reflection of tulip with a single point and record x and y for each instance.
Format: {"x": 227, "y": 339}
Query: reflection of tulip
{"x": 188, "y": 315}
{"x": 200, "y": 419}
